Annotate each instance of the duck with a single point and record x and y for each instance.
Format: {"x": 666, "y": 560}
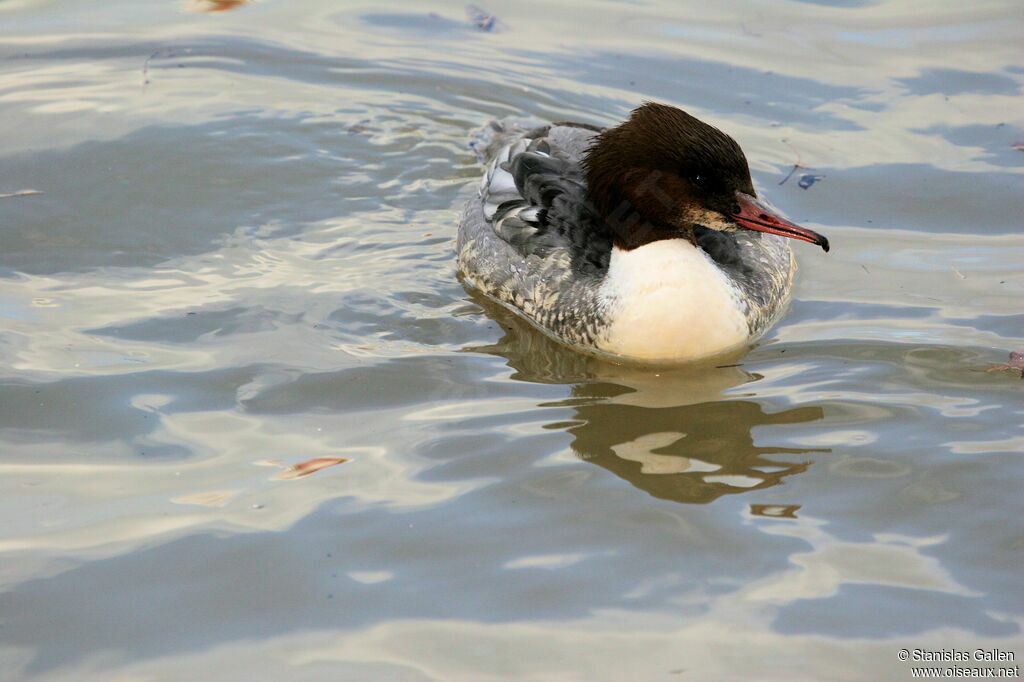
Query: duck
{"x": 644, "y": 242}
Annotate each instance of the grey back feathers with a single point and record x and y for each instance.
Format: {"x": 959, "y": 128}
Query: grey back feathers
{"x": 531, "y": 238}
{"x": 535, "y": 197}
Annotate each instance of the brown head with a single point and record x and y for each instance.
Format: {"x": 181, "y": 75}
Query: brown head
{"x": 664, "y": 172}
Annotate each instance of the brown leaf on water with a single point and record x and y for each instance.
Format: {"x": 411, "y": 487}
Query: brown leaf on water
{"x": 1016, "y": 364}
{"x": 213, "y": 5}
{"x": 310, "y": 466}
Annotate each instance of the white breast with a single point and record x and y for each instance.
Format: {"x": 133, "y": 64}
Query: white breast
{"x": 668, "y": 301}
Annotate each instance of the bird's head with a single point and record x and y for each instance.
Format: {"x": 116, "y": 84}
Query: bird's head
{"x": 662, "y": 173}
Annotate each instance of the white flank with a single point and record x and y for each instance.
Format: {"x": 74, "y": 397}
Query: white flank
{"x": 668, "y": 301}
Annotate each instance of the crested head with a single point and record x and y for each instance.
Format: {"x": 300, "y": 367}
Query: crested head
{"x": 662, "y": 172}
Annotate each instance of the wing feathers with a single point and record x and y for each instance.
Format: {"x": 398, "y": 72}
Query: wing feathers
{"x": 536, "y": 201}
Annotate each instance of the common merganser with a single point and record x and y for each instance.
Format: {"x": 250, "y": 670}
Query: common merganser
{"x": 644, "y": 241}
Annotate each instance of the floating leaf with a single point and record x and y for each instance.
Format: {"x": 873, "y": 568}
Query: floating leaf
{"x": 213, "y": 5}
{"x": 1016, "y": 364}
{"x": 310, "y": 466}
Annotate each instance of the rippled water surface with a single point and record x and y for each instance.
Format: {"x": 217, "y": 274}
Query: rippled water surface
{"x": 241, "y": 259}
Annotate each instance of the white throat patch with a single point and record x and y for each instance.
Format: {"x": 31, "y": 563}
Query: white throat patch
{"x": 668, "y": 300}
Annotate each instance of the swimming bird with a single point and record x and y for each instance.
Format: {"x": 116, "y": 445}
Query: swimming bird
{"x": 645, "y": 241}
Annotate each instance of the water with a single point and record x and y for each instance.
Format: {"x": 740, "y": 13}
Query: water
{"x": 242, "y": 259}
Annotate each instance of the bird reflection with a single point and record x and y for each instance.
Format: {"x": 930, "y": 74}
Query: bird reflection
{"x": 674, "y": 433}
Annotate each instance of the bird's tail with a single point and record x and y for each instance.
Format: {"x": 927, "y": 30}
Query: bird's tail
{"x": 489, "y": 139}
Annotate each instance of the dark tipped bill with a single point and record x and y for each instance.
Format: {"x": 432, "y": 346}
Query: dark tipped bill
{"x": 754, "y": 214}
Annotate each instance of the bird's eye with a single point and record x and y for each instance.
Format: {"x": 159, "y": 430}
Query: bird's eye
{"x": 698, "y": 180}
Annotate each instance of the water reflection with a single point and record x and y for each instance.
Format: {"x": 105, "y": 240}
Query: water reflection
{"x": 681, "y": 434}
